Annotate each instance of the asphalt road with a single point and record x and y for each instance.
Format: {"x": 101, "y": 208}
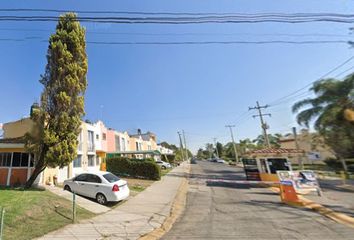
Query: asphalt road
{"x": 238, "y": 211}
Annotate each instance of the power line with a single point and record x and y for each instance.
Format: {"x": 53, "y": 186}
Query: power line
{"x": 307, "y": 85}
{"x": 271, "y": 14}
{"x": 341, "y": 73}
{"x": 189, "y": 33}
{"x": 244, "y": 18}
{"x": 190, "y": 42}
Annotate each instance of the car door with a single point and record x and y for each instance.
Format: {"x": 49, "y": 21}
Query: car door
{"x": 92, "y": 186}
{"x": 79, "y": 184}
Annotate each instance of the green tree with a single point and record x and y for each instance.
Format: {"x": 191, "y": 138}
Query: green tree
{"x": 273, "y": 140}
{"x": 169, "y": 146}
{"x": 219, "y": 149}
{"x": 57, "y": 119}
{"x": 333, "y": 98}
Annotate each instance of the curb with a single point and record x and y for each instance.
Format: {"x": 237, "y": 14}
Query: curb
{"x": 177, "y": 208}
{"x": 329, "y": 213}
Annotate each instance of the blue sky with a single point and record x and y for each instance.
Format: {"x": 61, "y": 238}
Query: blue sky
{"x": 198, "y": 88}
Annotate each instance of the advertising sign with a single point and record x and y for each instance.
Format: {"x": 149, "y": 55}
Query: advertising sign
{"x": 304, "y": 181}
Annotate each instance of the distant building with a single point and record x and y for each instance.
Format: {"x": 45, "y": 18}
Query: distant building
{"x": 95, "y": 141}
{"x": 164, "y": 151}
{"x": 313, "y": 145}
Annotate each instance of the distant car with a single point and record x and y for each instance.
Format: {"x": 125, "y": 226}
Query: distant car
{"x": 102, "y": 186}
{"x": 220, "y": 161}
{"x": 193, "y": 161}
{"x": 163, "y": 165}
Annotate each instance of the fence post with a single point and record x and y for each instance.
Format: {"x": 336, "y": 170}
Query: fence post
{"x": 343, "y": 176}
{"x": 2, "y": 222}
{"x": 74, "y": 207}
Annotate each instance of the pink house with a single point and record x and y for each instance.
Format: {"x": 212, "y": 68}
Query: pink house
{"x": 111, "y": 140}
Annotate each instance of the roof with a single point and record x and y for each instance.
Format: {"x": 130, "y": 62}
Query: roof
{"x": 276, "y": 151}
{"x": 287, "y": 140}
{"x": 12, "y": 140}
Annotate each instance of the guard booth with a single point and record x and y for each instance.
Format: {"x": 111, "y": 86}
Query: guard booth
{"x": 266, "y": 163}
{"x": 251, "y": 169}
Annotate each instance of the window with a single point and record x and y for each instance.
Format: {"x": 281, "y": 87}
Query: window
{"x": 123, "y": 144}
{"x": 277, "y": 164}
{"x": 77, "y": 162}
{"x": 24, "y": 160}
{"x": 32, "y": 160}
{"x": 91, "y": 145}
{"x": 20, "y": 159}
{"x": 104, "y": 136}
{"x": 16, "y": 159}
{"x": 137, "y": 146}
{"x": 97, "y": 137}
{"x": 5, "y": 159}
{"x": 97, "y": 160}
{"x": 117, "y": 143}
{"x": 81, "y": 178}
{"x": 111, "y": 177}
{"x": 93, "y": 178}
{"x": 91, "y": 160}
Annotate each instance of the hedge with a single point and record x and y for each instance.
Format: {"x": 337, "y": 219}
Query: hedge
{"x": 139, "y": 168}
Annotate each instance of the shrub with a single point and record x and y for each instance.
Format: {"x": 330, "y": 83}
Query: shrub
{"x": 139, "y": 168}
{"x": 336, "y": 164}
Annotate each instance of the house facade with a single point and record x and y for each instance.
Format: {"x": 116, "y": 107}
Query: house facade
{"x": 16, "y": 165}
{"x": 311, "y": 143}
{"x": 95, "y": 141}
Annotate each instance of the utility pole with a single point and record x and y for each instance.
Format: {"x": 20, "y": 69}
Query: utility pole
{"x": 181, "y": 145}
{"x": 263, "y": 124}
{"x": 185, "y": 144}
{"x": 301, "y": 165}
{"x": 216, "y": 147}
{"x": 233, "y": 141}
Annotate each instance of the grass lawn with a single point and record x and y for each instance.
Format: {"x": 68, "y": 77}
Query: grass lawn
{"x": 138, "y": 185}
{"x": 33, "y": 213}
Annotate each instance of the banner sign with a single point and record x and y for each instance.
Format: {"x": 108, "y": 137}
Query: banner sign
{"x": 304, "y": 181}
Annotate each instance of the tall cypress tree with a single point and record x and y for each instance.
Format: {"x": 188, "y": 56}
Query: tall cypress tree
{"x": 57, "y": 118}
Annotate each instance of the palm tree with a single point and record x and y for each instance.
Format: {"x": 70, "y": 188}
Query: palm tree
{"x": 273, "y": 140}
{"x": 333, "y": 99}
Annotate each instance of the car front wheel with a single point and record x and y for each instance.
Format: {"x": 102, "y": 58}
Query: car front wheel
{"x": 67, "y": 188}
{"x": 101, "y": 199}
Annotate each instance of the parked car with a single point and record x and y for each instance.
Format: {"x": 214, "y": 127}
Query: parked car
{"x": 193, "y": 161}
{"x": 102, "y": 186}
{"x": 220, "y": 160}
{"x": 163, "y": 165}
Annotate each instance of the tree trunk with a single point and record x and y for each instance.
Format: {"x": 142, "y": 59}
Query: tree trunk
{"x": 344, "y": 164}
{"x": 40, "y": 166}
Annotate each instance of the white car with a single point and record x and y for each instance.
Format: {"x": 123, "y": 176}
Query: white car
{"x": 220, "y": 160}
{"x": 102, "y": 186}
{"x": 163, "y": 165}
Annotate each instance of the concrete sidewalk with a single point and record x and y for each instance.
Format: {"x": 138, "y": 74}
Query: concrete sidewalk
{"x": 136, "y": 217}
{"x": 89, "y": 205}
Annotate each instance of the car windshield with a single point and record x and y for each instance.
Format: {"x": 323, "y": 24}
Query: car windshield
{"x": 111, "y": 177}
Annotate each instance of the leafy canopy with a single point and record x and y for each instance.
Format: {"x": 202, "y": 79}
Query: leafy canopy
{"x": 57, "y": 119}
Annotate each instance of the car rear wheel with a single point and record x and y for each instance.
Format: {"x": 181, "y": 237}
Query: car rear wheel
{"x": 67, "y": 188}
{"x": 163, "y": 167}
{"x": 101, "y": 199}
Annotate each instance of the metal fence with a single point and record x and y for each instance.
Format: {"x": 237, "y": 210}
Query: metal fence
{"x": 2, "y": 217}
